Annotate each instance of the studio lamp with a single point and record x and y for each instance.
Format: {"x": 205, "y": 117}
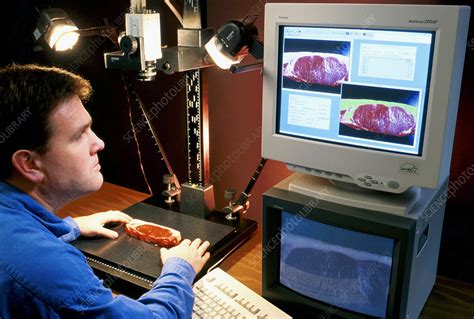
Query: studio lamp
{"x": 57, "y": 29}
{"x": 60, "y": 32}
{"x": 232, "y": 41}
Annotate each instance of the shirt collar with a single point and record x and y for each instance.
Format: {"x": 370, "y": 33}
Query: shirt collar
{"x": 13, "y": 198}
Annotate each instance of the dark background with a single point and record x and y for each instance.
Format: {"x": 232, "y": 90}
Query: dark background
{"x": 235, "y": 113}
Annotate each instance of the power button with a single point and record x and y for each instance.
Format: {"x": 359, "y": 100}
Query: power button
{"x": 393, "y": 184}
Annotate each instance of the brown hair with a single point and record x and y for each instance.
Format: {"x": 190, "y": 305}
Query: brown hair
{"x": 28, "y": 96}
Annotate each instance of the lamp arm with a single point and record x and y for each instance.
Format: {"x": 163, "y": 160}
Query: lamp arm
{"x": 105, "y": 31}
{"x": 255, "y": 47}
{"x": 239, "y": 68}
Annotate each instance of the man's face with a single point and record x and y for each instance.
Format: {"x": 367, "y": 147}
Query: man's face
{"x": 71, "y": 165}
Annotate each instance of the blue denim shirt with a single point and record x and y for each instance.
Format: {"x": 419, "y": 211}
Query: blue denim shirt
{"x": 42, "y": 276}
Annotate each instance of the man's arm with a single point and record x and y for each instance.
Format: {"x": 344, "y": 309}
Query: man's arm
{"x": 170, "y": 297}
{"x": 74, "y": 233}
{"x": 93, "y": 225}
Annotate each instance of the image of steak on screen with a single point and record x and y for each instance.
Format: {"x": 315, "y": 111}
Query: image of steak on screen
{"x": 377, "y": 113}
{"x": 315, "y": 65}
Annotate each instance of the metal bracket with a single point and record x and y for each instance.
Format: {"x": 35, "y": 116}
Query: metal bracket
{"x": 197, "y": 200}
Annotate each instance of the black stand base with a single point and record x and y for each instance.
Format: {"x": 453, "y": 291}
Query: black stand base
{"x": 130, "y": 266}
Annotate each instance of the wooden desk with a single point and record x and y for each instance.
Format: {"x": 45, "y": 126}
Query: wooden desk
{"x": 449, "y": 298}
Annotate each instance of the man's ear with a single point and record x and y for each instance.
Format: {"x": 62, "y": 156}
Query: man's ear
{"x": 27, "y": 165}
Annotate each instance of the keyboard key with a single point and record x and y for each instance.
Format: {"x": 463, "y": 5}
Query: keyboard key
{"x": 210, "y": 279}
{"x": 221, "y": 311}
{"x": 254, "y": 310}
{"x": 232, "y": 294}
{"x": 219, "y": 295}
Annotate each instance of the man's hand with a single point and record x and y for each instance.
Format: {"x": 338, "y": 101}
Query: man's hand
{"x": 93, "y": 225}
{"x": 193, "y": 252}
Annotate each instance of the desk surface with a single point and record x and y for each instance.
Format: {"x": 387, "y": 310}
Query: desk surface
{"x": 449, "y": 298}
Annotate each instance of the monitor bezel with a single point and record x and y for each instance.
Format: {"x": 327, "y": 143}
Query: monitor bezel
{"x": 401, "y": 230}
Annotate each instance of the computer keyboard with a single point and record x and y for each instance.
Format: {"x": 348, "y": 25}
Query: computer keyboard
{"x": 219, "y": 295}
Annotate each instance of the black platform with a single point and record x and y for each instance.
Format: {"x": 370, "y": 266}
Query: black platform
{"x": 139, "y": 263}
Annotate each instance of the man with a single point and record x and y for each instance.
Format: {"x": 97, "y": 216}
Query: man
{"x": 48, "y": 157}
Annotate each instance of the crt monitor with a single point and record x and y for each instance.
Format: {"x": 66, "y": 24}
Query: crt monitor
{"x": 365, "y": 94}
{"x": 321, "y": 259}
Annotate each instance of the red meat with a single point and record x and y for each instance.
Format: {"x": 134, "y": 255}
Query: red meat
{"x": 379, "y": 118}
{"x": 153, "y": 233}
{"x": 316, "y": 68}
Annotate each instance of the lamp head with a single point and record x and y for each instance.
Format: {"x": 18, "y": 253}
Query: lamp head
{"x": 57, "y": 29}
{"x": 230, "y": 43}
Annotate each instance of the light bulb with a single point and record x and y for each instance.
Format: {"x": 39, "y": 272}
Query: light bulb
{"x": 63, "y": 37}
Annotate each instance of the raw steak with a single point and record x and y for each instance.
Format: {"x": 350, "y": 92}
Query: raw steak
{"x": 316, "y": 68}
{"x": 379, "y": 118}
{"x": 153, "y": 233}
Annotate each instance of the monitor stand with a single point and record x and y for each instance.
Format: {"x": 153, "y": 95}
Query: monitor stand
{"x": 347, "y": 195}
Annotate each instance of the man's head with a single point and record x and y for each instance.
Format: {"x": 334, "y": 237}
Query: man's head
{"x": 45, "y": 133}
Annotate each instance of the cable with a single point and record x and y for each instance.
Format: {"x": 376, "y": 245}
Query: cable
{"x": 135, "y": 134}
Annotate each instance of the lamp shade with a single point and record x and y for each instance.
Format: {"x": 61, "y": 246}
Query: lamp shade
{"x": 57, "y": 29}
{"x": 232, "y": 42}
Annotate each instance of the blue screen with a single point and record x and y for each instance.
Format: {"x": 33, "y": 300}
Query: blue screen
{"x": 340, "y": 267}
{"x": 357, "y": 87}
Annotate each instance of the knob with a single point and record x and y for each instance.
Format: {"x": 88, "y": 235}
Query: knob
{"x": 128, "y": 44}
{"x": 167, "y": 179}
{"x": 229, "y": 194}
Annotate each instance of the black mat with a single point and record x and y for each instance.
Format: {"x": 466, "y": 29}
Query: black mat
{"x": 144, "y": 258}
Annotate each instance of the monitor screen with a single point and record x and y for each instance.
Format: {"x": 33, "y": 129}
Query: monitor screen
{"x": 355, "y": 87}
{"x": 341, "y": 267}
